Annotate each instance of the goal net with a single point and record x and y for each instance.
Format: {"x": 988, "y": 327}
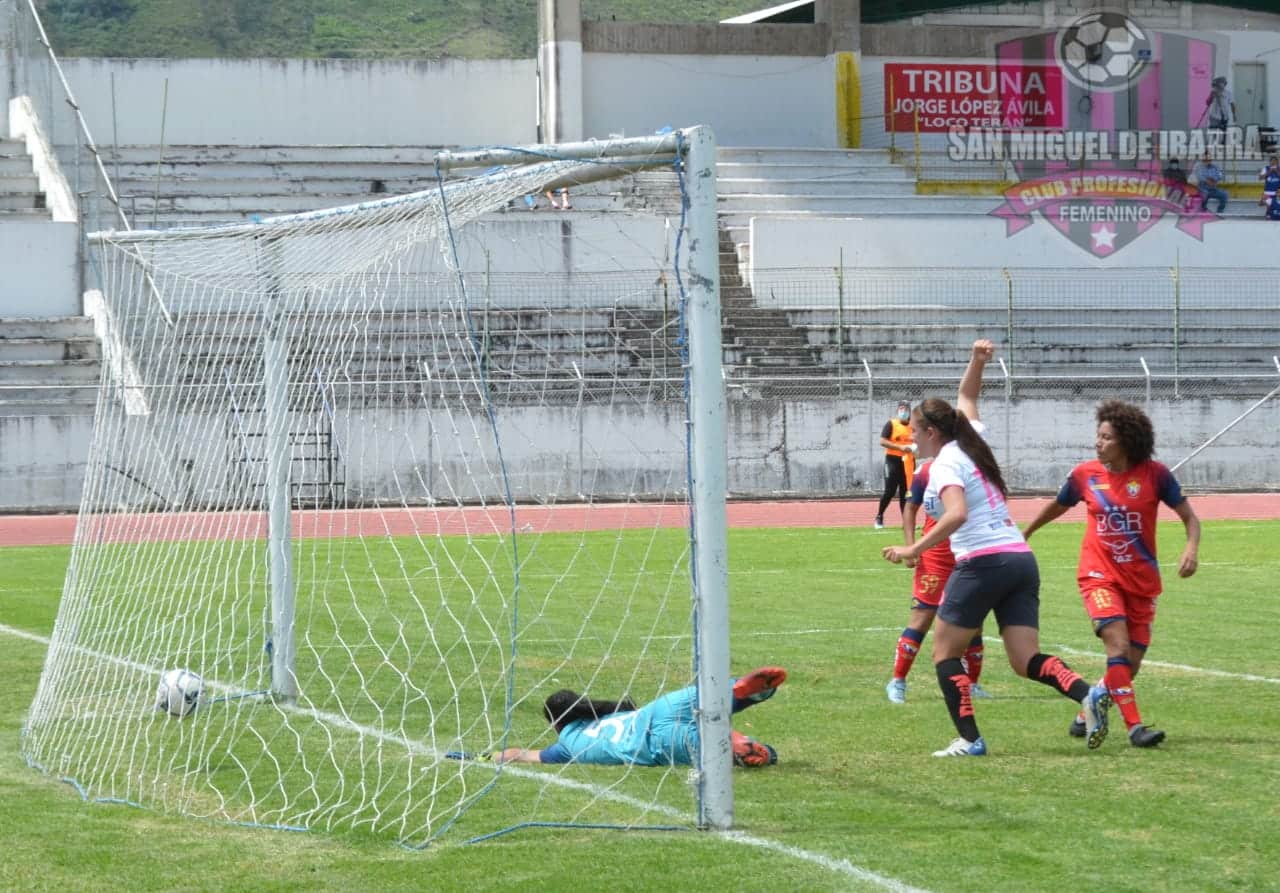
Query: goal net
{"x": 386, "y": 476}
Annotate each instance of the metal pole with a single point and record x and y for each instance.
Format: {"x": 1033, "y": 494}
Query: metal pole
{"x": 164, "y": 115}
{"x": 840, "y": 325}
{"x": 1008, "y": 400}
{"x": 275, "y": 361}
{"x": 1009, "y": 347}
{"x": 1146, "y": 373}
{"x": 1177, "y": 322}
{"x": 871, "y": 430}
{"x": 709, "y": 473}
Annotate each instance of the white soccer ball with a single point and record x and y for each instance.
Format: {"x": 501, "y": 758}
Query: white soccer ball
{"x": 180, "y": 692}
{"x": 1104, "y": 51}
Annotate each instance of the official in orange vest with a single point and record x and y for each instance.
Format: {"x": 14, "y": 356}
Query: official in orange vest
{"x": 899, "y": 459}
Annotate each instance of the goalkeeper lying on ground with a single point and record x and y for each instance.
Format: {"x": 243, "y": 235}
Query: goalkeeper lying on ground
{"x": 661, "y": 733}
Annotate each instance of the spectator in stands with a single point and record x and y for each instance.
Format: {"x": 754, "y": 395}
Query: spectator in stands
{"x": 899, "y": 460}
{"x": 1221, "y": 106}
{"x": 1208, "y": 177}
{"x": 1270, "y": 177}
{"x": 1173, "y": 173}
{"x": 1273, "y": 209}
{"x": 563, "y": 203}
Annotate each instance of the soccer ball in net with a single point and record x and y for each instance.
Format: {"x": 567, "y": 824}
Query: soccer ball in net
{"x": 1103, "y": 51}
{"x": 179, "y": 692}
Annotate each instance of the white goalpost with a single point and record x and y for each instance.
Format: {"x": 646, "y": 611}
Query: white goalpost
{"x": 383, "y": 477}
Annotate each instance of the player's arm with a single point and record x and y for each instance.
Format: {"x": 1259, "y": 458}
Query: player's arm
{"x": 1050, "y": 511}
{"x": 909, "y": 513}
{"x": 954, "y": 514}
{"x": 517, "y": 755}
{"x": 885, "y": 442}
{"x": 971, "y": 381}
{"x": 1189, "y": 561}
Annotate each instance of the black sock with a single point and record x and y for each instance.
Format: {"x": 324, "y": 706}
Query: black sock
{"x": 954, "y": 683}
{"x": 1051, "y": 671}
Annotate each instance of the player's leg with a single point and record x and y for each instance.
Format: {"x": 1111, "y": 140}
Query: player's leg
{"x": 758, "y": 685}
{"x": 968, "y": 596}
{"x": 972, "y": 660}
{"x": 889, "y": 486}
{"x": 909, "y": 642}
{"x": 1141, "y": 615}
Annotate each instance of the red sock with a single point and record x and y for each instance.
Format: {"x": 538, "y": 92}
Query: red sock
{"x": 1119, "y": 679}
{"x": 973, "y": 659}
{"x": 908, "y": 648}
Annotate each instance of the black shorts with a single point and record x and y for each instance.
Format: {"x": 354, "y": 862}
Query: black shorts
{"x": 1006, "y": 582}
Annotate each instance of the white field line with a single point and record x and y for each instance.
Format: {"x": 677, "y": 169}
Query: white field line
{"x": 838, "y": 866}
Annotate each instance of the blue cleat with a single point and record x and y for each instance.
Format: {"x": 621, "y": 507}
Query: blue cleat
{"x": 977, "y": 691}
{"x": 897, "y": 691}
{"x": 1095, "y": 706}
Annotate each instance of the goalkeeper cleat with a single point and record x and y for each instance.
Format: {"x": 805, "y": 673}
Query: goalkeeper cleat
{"x": 758, "y": 685}
{"x": 977, "y": 691}
{"x": 750, "y": 753}
{"x": 1141, "y": 736}
{"x": 1095, "y": 704}
{"x": 1077, "y": 729}
{"x": 962, "y": 748}
{"x": 897, "y": 691}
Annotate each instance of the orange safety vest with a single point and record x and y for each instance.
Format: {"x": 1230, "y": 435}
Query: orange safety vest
{"x": 901, "y": 433}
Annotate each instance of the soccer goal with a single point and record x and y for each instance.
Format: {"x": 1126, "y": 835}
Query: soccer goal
{"x": 374, "y": 481}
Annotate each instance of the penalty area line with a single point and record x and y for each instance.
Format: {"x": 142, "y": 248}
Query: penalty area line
{"x": 830, "y": 863}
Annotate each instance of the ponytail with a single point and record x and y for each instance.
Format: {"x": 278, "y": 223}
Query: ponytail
{"x": 954, "y": 426}
{"x": 566, "y": 706}
{"x": 979, "y": 453}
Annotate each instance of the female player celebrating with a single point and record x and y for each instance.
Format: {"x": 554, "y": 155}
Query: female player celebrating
{"x": 931, "y": 574}
{"x": 995, "y": 569}
{"x": 1118, "y": 576}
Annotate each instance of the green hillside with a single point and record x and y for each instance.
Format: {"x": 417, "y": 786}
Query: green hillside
{"x": 335, "y": 29}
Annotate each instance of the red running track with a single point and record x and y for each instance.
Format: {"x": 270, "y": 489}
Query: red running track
{"x": 41, "y": 530}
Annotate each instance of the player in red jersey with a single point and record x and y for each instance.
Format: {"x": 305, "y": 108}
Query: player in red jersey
{"x": 931, "y": 572}
{"x": 1119, "y": 578}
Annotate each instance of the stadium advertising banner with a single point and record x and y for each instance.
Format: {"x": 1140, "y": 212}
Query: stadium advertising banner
{"x": 972, "y": 94}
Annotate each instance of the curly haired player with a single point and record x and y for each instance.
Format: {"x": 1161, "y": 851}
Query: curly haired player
{"x": 1118, "y": 575}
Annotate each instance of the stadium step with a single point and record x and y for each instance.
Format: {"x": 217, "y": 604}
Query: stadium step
{"x": 814, "y": 188}
{"x": 48, "y": 372}
{"x": 15, "y": 165}
{"x": 83, "y": 347}
{"x": 19, "y": 184}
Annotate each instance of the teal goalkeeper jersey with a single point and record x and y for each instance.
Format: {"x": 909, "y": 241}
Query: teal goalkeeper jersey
{"x": 661, "y": 733}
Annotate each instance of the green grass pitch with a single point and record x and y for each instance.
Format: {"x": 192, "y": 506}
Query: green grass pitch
{"x": 856, "y": 801}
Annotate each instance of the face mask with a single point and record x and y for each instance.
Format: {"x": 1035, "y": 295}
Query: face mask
{"x": 904, "y": 416}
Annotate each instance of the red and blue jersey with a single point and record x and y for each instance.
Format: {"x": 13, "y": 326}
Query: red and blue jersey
{"x": 918, "y": 485}
{"x": 1120, "y": 537}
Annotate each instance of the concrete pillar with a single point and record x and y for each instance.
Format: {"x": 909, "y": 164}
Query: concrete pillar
{"x": 559, "y": 71}
{"x": 845, "y": 19}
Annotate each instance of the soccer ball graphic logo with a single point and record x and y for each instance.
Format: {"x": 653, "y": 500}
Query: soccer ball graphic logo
{"x": 179, "y": 692}
{"x": 1103, "y": 51}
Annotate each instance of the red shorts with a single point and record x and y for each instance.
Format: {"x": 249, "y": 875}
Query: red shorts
{"x": 1105, "y": 601}
{"x": 932, "y": 571}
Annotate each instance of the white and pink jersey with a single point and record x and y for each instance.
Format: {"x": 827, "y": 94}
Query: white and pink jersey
{"x": 988, "y": 528}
